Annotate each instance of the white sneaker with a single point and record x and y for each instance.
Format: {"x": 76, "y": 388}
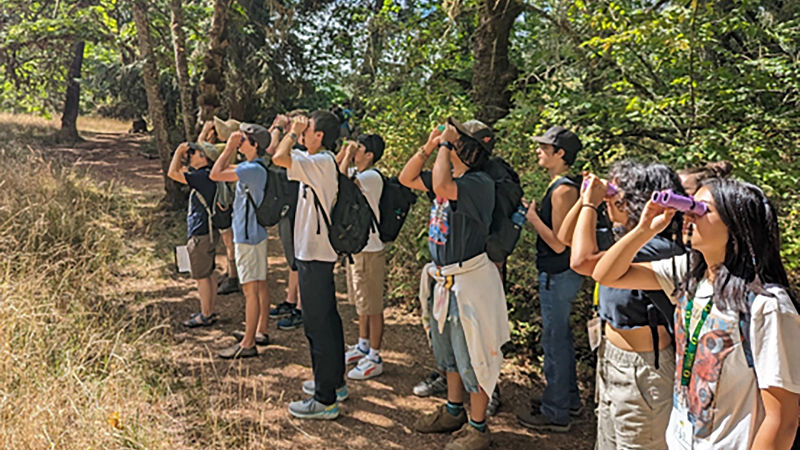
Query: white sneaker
{"x": 366, "y": 369}
{"x": 353, "y": 355}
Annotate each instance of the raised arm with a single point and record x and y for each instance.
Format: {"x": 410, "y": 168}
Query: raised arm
{"x": 175, "y": 167}
{"x": 409, "y": 176}
{"x": 563, "y": 198}
{"x": 276, "y": 132}
{"x": 585, "y": 252}
{"x": 283, "y": 155}
{"x": 223, "y": 170}
{"x": 205, "y": 134}
{"x": 345, "y": 156}
{"x": 443, "y": 183}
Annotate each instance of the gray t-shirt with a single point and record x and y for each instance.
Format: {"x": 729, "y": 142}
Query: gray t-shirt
{"x": 457, "y": 230}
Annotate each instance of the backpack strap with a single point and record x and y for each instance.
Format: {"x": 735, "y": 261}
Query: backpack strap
{"x": 209, "y": 213}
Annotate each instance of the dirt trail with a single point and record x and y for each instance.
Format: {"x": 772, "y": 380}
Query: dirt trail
{"x": 243, "y": 404}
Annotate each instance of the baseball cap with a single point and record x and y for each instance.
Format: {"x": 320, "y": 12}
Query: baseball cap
{"x": 561, "y": 137}
{"x": 258, "y": 133}
{"x": 476, "y": 130}
{"x": 209, "y": 150}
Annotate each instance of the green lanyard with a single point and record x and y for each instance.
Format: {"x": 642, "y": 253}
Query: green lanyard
{"x": 691, "y": 345}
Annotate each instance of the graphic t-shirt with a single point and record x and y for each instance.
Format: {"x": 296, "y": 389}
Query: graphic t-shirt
{"x": 457, "y": 230}
{"x": 721, "y": 408}
{"x": 372, "y": 186}
{"x": 253, "y": 178}
{"x": 197, "y": 220}
{"x": 317, "y": 172}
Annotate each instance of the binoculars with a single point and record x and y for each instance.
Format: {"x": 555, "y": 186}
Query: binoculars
{"x": 680, "y": 202}
{"x": 612, "y": 190}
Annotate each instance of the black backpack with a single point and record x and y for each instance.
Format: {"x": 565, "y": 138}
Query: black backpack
{"x": 503, "y": 232}
{"x": 396, "y": 200}
{"x": 351, "y": 219}
{"x": 280, "y": 196}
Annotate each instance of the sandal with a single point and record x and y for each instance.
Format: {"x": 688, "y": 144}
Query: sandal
{"x": 199, "y": 320}
{"x": 237, "y": 352}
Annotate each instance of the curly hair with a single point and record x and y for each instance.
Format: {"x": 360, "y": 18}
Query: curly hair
{"x": 638, "y": 182}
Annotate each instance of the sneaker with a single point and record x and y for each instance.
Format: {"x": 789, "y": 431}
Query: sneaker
{"x": 236, "y": 352}
{"x": 366, "y": 369}
{"x": 222, "y": 279}
{"x": 354, "y": 354}
{"x": 230, "y": 286}
{"x": 494, "y": 403}
{"x": 284, "y": 309}
{"x": 469, "y": 438}
{"x": 295, "y": 320}
{"x": 535, "y": 420}
{"x": 536, "y": 405}
{"x": 261, "y": 338}
{"x": 440, "y": 421}
{"x": 433, "y": 385}
{"x": 312, "y": 409}
{"x": 309, "y": 388}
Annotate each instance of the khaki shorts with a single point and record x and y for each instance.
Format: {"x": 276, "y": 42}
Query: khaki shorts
{"x": 251, "y": 262}
{"x": 201, "y": 255}
{"x": 365, "y": 282}
{"x": 634, "y": 400}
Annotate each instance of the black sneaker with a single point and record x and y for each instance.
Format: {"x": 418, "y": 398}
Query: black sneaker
{"x": 230, "y": 286}
{"x": 536, "y": 404}
{"x": 284, "y": 309}
{"x": 295, "y": 320}
{"x": 535, "y": 420}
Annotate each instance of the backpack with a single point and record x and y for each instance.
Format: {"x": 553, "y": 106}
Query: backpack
{"x": 280, "y": 196}
{"x": 503, "y": 233}
{"x": 394, "y": 205}
{"x": 351, "y": 219}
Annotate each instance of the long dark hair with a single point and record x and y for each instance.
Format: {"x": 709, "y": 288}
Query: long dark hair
{"x": 752, "y": 253}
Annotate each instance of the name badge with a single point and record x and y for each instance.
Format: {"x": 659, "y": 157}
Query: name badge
{"x": 684, "y": 428}
{"x": 594, "y": 332}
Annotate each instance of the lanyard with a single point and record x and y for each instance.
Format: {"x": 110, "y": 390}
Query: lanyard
{"x": 691, "y": 344}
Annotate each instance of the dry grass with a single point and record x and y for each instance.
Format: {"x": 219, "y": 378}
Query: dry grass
{"x": 22, "y": 125}
{"x": 102, "y": 125}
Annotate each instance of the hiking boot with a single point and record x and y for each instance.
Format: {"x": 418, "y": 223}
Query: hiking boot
{"x": 366, "y": 369}
{"x": 469, "y": 438}
{"x": 230, "y": 286}
{"x": 535, "y": 420}
{"x": 354, "y": 354}
{"x": 494, "y": 402}
{"x": 222, "y": 279}
{"x": 284, "y": 309}
{"x": 309, "y": 388}
{"x": 536, "y": 405}
{"x": 295, "y": 320}
{"x": 440, "y": 421}
{"x": 236, "y": 352}
{"x": 261, "y": 338}
{"x": 435, "y": 384}
{"x": 312, "y": 409}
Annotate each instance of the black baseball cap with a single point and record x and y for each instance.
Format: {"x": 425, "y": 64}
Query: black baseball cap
{"x": 476, "y": 130}
{"x": 560, "y": 137}
{"x": 258, "y": 133}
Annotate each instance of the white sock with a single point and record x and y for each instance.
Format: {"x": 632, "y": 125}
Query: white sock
{"x": 363, "y": 345}
{"x": 374, "y": 355}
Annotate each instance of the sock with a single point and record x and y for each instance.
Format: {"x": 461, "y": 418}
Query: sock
{"x": 455, "y": 408}
{"x": 374, "y": 355}
{"x": 480, "y": 426}
{"x": 363, "y": 345}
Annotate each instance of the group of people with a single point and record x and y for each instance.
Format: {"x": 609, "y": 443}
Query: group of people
{"x": 695, "y": 323}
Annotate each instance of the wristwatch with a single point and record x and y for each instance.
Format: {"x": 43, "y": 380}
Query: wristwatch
{"x": 447, "y": 144}
{"x": 293, "y": 135}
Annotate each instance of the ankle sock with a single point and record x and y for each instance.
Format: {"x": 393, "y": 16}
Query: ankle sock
{"x": 374, "y": 355}
{"x": 455, "y": 408}
{"x": 363, "y": 345}
{"x": 480, "y": 426}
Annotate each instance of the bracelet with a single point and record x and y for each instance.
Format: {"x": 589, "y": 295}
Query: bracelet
{"x": 589, "y": 205}
{"x": 447, "y": 144}
{"x": 276, "y": 127}
{"x": 423, "y": 154}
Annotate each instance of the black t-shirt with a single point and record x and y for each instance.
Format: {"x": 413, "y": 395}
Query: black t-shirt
{"x": 457, "y": 230}
{"x": 197, "y": 219}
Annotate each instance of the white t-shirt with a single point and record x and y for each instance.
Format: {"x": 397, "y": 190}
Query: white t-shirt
{"x": 723, "y": 397}
{"x": 317, "y": 172}
{"x": 372, "y": 186}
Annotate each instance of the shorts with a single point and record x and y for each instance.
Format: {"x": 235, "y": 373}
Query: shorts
{"x": 450, "y": 347}
{"x": 286, "y": 233}
{"x": 201, "y": 255}
{"x": 365, "y": 282}
{"x": 226, "y": 230}
{"x": 251, "y": 262}
{"x": 634, "y": 399}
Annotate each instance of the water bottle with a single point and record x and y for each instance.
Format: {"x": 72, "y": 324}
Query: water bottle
{"x": 519, "y": 216}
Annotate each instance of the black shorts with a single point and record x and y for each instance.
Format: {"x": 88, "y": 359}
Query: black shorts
{"x": 286, "y": 232}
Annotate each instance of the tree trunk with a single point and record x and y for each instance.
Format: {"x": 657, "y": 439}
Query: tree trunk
{"x": 69, "y": 119}
{"x": 179, "y": 42}
{"x": 374, "y": 44}
{"x": 492, "y": 72}
{"x": 213, "y": 82}
{"x": 155, "y": 103}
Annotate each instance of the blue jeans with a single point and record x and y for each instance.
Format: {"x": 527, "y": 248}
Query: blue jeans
{"x": 556, "y": 293}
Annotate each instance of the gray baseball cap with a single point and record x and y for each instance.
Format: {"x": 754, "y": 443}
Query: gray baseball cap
{"x": 258, "y": 133}
{"x": 561, "y": 137}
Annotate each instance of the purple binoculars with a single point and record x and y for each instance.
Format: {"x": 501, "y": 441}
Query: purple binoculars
{"x": 680, "y": 202}
{"x": 612, "y": 190}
